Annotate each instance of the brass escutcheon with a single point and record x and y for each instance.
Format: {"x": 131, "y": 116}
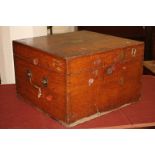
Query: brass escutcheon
{"x": 133, "y": 52}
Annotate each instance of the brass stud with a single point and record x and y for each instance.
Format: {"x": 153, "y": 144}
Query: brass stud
{"x": 35, "y": 61}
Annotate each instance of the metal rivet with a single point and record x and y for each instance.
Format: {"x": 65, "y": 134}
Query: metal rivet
{"x": 109, "y": 70}
{"x": 29, "y": 73}
{"x": 44, "y": 82}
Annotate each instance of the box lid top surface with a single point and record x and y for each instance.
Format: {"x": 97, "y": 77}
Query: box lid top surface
{"x": 76, "y": 44}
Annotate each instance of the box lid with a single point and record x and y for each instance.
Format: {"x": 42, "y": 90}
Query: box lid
{"x": 76, "y": 44}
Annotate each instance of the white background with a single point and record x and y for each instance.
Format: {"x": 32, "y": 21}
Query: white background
{"x": 77, "y": 142}
{"x": 77, "y": 13}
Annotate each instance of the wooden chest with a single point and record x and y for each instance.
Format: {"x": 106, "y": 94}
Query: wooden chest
{"x": 78, "y": 76}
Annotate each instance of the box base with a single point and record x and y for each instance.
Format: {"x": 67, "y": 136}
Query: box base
{"x": 80, "y": 121}
{"x": 98, "y": 114}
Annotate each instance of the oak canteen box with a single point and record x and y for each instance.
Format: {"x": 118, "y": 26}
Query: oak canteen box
{"x": 77, "y": 76}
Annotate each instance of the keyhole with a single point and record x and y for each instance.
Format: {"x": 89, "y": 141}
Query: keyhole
{"x": 133, "y": 52}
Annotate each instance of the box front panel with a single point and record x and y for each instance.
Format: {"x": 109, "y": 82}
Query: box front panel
{"x": 93, "y": 92}
{"x": 114, "y": 82}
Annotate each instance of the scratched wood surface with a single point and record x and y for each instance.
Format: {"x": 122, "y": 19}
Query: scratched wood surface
{"x": 87, "y": 73}
{"x": 78, "y": 43}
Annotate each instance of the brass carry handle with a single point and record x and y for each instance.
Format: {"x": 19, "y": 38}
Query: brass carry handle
{"x": 44, "y": 83}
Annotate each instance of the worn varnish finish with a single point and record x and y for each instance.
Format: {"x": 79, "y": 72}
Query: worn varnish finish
{"x": 78, "y": 75}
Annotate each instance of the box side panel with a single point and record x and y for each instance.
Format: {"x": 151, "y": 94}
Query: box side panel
{"x": 39, "y": 58}
{"x": 104, "y": 82}
{"x": 43, "y": 86}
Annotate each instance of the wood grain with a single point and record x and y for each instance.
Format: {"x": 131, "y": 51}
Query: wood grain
{"x": 91, "y": 73}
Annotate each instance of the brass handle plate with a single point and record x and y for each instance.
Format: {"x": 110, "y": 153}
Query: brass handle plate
{"x": 44, "y": 83}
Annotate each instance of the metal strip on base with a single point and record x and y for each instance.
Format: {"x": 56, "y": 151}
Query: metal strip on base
{"x": 85, "y": 119}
